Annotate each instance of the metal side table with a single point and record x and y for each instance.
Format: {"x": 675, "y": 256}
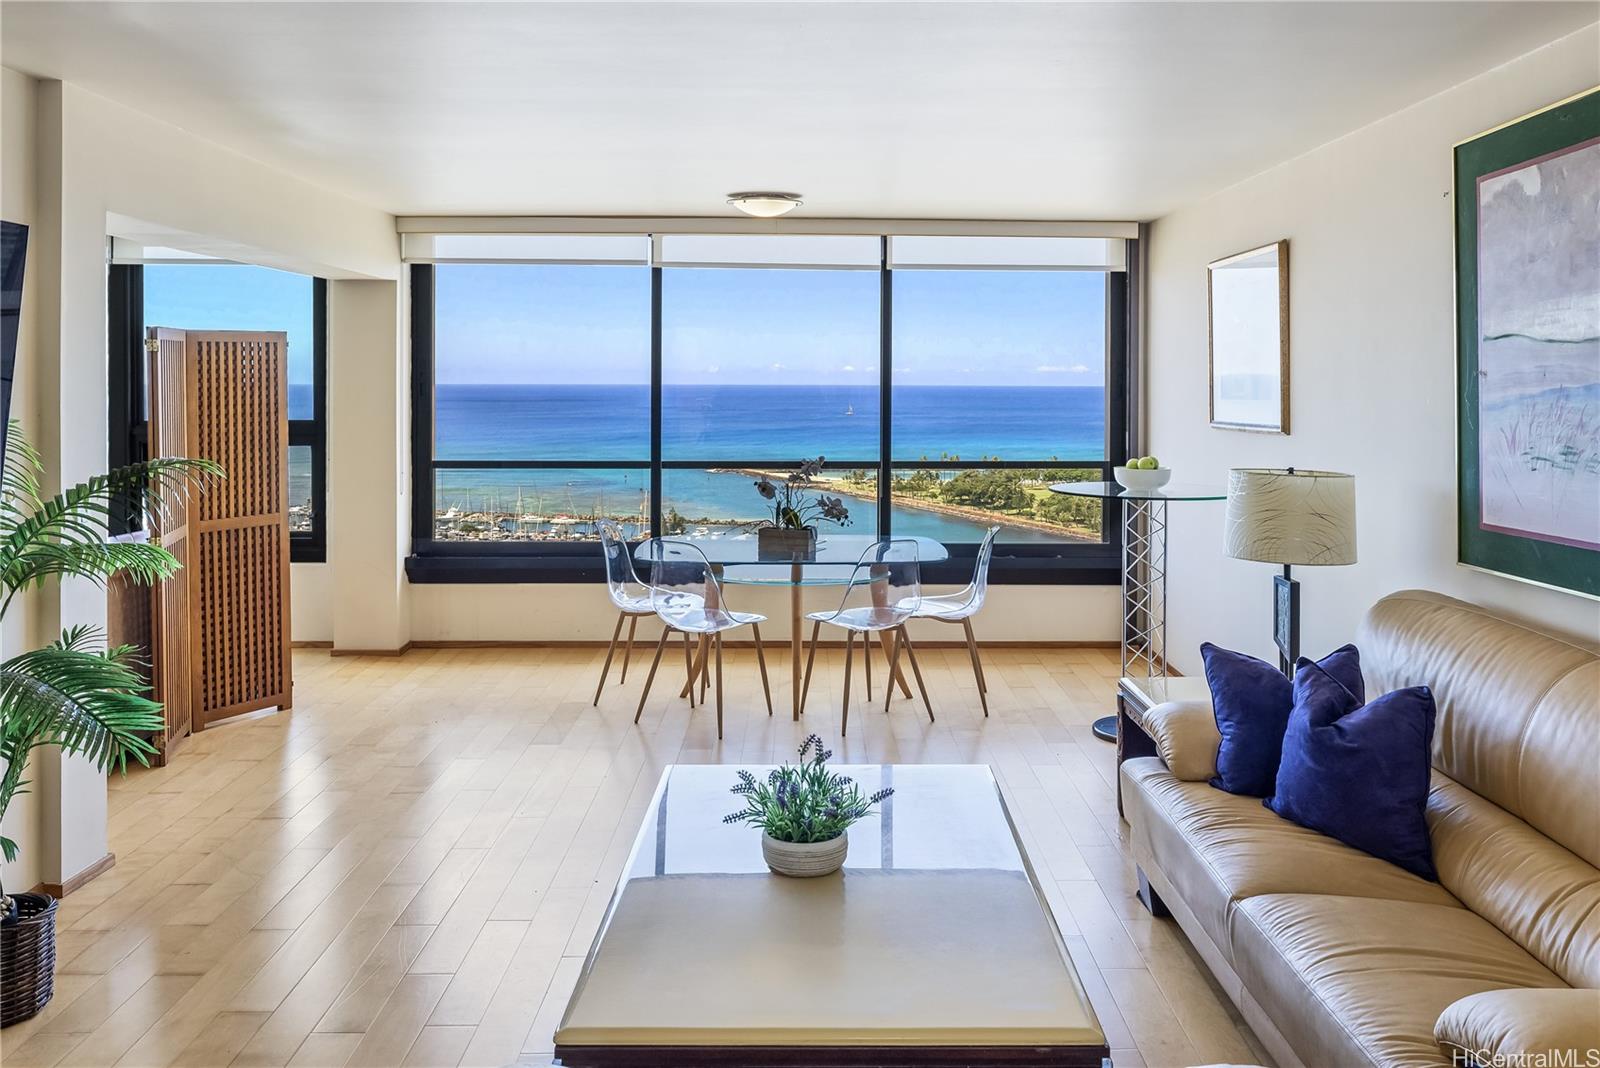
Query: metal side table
{"x": 1144, "y": 574}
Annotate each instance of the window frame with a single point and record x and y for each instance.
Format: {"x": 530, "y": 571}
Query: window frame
{"x": 441, "y": 561}
{"x": 129, "y": 433}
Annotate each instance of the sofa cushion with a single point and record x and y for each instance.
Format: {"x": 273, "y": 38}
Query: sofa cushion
{"x": 1361, "y": 980}
{"x": 1359, "y": 772}
{"x": 1215, "y": 848}
{"x": 1252, "y": 700}
{"x": 1545, "y": 898}
{"x": 1535, "y": 1026}
{"x": 1519, "y": 710}
{"x": 1185, "y": 733}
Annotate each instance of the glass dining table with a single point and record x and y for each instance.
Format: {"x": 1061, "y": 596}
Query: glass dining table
{"x": 739, "y": 562}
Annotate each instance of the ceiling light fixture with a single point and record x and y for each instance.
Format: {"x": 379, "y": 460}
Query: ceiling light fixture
{"x": 765, "y": 205}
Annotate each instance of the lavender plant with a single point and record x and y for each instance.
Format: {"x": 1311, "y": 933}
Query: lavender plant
{"x": 792, "y": 509}
{"x": 803, "y": 802}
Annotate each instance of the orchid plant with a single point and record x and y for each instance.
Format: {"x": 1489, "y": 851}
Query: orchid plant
{"x": 803, "y": 802}
{"x": 793, "y": 508}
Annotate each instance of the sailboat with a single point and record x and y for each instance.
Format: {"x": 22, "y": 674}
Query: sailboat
{"x": 849, "y": 409}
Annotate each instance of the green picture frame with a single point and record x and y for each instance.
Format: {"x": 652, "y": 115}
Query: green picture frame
{"x": 1528, "y": 406}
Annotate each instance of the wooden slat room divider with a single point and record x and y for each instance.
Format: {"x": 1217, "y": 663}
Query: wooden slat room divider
{"x": 235, "y": 411}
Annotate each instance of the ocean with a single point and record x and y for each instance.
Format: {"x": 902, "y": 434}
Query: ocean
{"x": 720, "y": 424}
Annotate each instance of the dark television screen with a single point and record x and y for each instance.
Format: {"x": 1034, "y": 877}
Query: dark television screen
{"x": 13, "y": 251}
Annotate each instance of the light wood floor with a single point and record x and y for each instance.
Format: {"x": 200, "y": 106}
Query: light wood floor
{"x": 408, "y": 867}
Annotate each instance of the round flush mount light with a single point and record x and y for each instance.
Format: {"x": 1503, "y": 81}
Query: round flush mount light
{"x": 765, "y": 205}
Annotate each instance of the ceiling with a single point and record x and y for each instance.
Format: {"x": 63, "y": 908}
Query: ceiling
{"x": 910, "y": 110}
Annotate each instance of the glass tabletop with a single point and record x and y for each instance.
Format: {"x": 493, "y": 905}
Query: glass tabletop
{"x": 1112, "y": 490}
{"x": 836, "y": 556}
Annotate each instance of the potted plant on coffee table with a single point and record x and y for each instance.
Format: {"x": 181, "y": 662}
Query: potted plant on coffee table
{"x": 791, "y": 533}
{"x": 73, "y": 692}
{"x": 804, "y": 812}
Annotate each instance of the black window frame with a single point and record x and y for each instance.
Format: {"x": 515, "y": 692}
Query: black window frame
{"x": 129, "y": 433}
{"x": 442, "y": 561}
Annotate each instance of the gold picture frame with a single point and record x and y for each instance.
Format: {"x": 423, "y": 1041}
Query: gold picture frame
{"x": 1247, "y": 363}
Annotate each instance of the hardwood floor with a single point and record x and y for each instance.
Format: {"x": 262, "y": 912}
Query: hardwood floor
{"x": 407, "y": 868}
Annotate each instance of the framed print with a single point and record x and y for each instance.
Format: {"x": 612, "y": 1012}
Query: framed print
{"x": 1527, "y": 198}
{"x": 1247, "y": 319}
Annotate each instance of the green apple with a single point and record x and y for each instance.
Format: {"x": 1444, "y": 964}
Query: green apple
{"x": 1148, "y": 463}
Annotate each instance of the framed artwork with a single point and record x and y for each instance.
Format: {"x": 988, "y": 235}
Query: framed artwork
{"x": 1247, "y": 320}
{"x": 1527, "y": 197}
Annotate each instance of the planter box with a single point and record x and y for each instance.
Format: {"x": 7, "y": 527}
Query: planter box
{"x": 783, "y": 544}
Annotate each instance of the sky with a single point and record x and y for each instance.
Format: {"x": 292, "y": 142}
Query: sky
{"x": 233, "y": 297}
{"x": 580, "y": 325}
{"x": 571, "y": 325}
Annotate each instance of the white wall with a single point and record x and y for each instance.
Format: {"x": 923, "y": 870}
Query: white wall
{"x": 18, "y": 159}
{"x": 95, "y": 160}
{"x": 1370, "y": 228}
{"x": 578, "y": 612}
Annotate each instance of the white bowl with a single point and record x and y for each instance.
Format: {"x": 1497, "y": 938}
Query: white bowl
{"x": 1141, "y": 481}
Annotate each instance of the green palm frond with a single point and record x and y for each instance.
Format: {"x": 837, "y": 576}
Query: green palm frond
{"x": 66, "y": 535}
{"x": 74, "y": 693}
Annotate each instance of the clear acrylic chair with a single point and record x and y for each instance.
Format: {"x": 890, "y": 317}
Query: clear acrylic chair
{"x": 628, "y": 593}
{"x": 686, "y": 596}
{"x": 885, "y": 591}
{"x": 960, "y": 607}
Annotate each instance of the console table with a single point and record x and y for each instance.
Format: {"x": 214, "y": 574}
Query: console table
{"x": 1144, "y": 574}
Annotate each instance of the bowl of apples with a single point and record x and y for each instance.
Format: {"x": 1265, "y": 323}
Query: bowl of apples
{"x": 1142, "y": 474}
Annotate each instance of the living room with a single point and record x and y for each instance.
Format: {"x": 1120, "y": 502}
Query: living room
{"x": 1189, "y": 410}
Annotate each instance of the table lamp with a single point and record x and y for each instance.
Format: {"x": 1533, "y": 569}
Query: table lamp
{"x": 1290, "y": 517}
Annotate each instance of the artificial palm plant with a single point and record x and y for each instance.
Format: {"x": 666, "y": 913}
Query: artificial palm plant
{"x": 74, "y": 692}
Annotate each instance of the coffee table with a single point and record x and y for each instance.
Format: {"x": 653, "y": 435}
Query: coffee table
{"x": 934, "y": 945}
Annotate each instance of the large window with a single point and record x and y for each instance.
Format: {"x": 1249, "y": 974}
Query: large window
{"x": 224, "y": 296}
{"x": 948, "y": 382}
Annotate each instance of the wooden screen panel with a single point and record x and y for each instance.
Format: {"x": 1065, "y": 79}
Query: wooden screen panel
{"x": 238, "y": 416}
{"x": 171, "y": 625}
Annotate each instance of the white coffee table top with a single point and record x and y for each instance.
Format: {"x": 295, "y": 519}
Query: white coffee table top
{"x": 935, "y": 933}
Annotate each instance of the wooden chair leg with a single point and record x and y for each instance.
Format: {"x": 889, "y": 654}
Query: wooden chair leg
{"x": 655, "y": 662}
{"x": 866, "y": 662}
{"x": 977, "y": 667}
{"x": 894, "y": 661}
{"x": 811, "y": 655}
{"x": 716, "y": 639}
{"x": 705, "y": 666}
{"x": 627, "y": 650}
{"x": 911, "y": 654}
{"x": 844, "y": 720}
{"x": 761, "y": 661}
{"x": 688, "y": 666}
{"x": 611, "y": 651}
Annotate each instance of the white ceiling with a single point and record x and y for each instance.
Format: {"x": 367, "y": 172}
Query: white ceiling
{"x": 1076, "y": 110}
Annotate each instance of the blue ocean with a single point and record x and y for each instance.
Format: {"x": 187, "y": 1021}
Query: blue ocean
{"x": 717, "y": 425}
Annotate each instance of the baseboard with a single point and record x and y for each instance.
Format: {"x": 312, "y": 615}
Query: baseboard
{"x": 311, "y": 645}
{"x": 332, "y": 651}
{"x": 60, "y": 890}
{"x": 766, "y": 643}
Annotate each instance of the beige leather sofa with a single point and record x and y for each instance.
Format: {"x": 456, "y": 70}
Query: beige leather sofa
{"x": 1339, "y": 959}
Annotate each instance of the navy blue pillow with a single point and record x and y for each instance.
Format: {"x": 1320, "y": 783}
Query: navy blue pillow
{"x": 1251, "y": 700}
{"x": 1359, "y": 772}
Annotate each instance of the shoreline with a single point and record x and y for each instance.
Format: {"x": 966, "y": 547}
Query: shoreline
{"x": 954, "y": 511}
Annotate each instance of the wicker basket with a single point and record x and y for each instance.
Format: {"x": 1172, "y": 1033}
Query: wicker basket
{"x": 27, "y": 958}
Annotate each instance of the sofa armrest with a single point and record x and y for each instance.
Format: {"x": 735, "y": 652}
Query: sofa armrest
{"x": 1185, "y": 733}
{"x": 1519, "y": 1026}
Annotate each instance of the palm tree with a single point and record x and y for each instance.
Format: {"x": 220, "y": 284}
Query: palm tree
{"x": 74, "y": 692}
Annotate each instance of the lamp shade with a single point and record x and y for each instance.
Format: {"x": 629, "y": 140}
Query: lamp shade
{"x": 1291, "y": 516}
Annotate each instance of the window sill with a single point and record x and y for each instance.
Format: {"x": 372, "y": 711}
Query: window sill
{"x": 466, "y": 569}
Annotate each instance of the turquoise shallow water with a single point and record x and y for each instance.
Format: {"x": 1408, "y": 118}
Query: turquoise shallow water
{"x": 719, "y": 424}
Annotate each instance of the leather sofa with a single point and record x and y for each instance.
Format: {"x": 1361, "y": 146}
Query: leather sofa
{"x": 1339, "y": 959}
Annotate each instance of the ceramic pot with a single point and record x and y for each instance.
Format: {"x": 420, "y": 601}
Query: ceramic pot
{"x": 804, "y": 860}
